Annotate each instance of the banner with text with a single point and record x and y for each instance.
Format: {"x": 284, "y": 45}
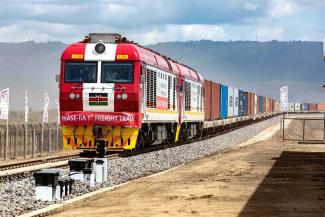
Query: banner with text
{"x": 26, "y": 107}
{"x": 4, "y": 104}
{"x": 46, "y": 105}
{"x": 100, "y": 118}
{"x": 284, "y": 98}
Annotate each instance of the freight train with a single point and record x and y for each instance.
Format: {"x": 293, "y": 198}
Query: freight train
{"x": 116, "y": 95}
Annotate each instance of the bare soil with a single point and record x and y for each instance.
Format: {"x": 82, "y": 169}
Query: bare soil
{"x": 267, "y": 178}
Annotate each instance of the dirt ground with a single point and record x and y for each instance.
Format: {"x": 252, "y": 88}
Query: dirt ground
{"x": 267, "y": 178}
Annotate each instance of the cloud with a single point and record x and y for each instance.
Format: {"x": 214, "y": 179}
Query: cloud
{"x": 181, "y": 33}
{"x": 145, "y": 22}
{"x": 281, "y": 8}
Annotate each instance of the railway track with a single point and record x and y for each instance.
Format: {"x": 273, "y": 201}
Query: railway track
{"x": 25, "y": 169}
{"x": 35, "y": 162}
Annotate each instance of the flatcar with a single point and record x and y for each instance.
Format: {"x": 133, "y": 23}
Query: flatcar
{"x": 116, "y": 95}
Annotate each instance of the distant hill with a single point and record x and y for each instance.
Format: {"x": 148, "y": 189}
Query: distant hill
{"x": 262, "y": 67}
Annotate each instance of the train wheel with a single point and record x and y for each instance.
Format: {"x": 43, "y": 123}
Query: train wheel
{"x": 140, "y": 141}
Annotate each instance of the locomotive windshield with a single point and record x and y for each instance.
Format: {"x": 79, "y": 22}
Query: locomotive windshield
{"x": 80, "y": 72}
{"x": 117, "y": 73}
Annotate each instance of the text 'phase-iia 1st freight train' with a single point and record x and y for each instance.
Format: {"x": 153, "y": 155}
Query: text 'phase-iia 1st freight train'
{"x": 116, "y": 95}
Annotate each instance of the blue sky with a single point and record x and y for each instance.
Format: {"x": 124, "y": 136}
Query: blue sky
{"x": 147, "y": 21}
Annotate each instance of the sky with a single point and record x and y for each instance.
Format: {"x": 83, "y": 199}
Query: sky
{"x": 149, "y": 22}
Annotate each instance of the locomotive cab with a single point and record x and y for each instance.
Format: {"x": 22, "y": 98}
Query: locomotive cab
{"x": 99, "y": 95}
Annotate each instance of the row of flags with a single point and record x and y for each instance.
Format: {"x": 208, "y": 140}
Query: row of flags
{"x": 4, "y": 106}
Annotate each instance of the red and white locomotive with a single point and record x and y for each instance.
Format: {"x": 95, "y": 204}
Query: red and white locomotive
{"x": 116, "y": 95}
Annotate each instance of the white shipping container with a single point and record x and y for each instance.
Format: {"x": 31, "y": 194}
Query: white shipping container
{"x": 297, "y": 106}
{"x": 291, "y": 107}
{"x": 230, "y": 101}
{"x": 236, "y": 104}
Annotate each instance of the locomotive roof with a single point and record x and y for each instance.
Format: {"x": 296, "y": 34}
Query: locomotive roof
{"x": 136, "y": 52}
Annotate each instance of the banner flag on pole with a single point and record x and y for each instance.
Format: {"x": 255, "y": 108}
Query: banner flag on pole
{"x": 46, "y": 105}
{"x": 58, "y": 109}
{"x": 26, "y": 107}
{"x": 284, "y": 98}
{"x": 4, "y": 104}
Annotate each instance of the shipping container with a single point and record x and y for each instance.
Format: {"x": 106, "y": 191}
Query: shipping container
{"x": 305, "y": 106}
{"x": 312, "y": 107}
{"x": 277, "y": 107}
{"x": 249, "y": 103}
{"x": 255, "y": 103}
{"x": 230, "y": 101}
{"x": 242, "y": 103}
{"x": 215, "y": 101}
{"x": 291, "y": 107}
{"x": 267, "y": 104}
{"x": 236, "y": 102}
{"x": 321, "y": 106}
{"x": 297, "y": 106}
{"x": 261, "y": 104}
{"x": 223, "y": 102}
{"x": 252, "y": 103}
{"x": 207, "y": 103}
{"x": 245, "y": 103}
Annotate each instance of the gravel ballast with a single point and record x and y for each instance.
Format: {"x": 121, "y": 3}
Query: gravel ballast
{"x": 17, "y": 197}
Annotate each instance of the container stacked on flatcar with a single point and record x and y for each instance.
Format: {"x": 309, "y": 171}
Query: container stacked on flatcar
{"x": 224, "y": 102}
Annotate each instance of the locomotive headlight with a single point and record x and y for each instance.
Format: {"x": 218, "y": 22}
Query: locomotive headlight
{"x": 124, "y": 96}
{"x": 72, "y": 95}
{"x": 77, "y": 95}
{"x": 119, "y": 96}
{"x": 100, "y": 48}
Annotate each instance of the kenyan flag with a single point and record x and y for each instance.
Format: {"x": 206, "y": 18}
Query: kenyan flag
{"x": 98, "y": 99}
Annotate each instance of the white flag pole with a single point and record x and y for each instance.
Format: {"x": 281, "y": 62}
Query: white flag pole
{"x": 7, "y": 139}
{"x": 45, "y": 117}
{"x": 57, "y": 124}
{"x": 26, "y": 123}
{"x": 4, "y": 115}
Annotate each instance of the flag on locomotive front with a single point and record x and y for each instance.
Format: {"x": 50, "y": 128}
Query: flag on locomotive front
{"x": 98, "y": 99}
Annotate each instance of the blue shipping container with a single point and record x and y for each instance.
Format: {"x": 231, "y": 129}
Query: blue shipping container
{"x": 242, "y": 103}
{"x": 223, "y": 101}
{"x": 261, "y": 104}
{"x": 305, "y": 106}
{"x": 245, "y": 103}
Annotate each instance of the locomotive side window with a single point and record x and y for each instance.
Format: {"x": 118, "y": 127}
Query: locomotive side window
{"x": 117, "y": 73}
{"x": 80, "y": 72}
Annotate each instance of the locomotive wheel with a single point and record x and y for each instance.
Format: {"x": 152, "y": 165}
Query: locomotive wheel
{"x": 140, "y": 142}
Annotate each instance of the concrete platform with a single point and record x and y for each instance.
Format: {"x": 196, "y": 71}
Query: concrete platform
{"x": 266, "y": 178}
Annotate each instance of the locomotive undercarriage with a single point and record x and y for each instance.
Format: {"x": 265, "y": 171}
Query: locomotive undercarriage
{"x": 164, "y": 133}
{"x": 101, "y": 139}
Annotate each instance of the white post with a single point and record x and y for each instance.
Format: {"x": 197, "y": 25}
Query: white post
{"x": 26, "y": 138}
{"x": 42, "y": 138}
{"x": 57, "y": 137}
{"x": 7, "y": 139}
